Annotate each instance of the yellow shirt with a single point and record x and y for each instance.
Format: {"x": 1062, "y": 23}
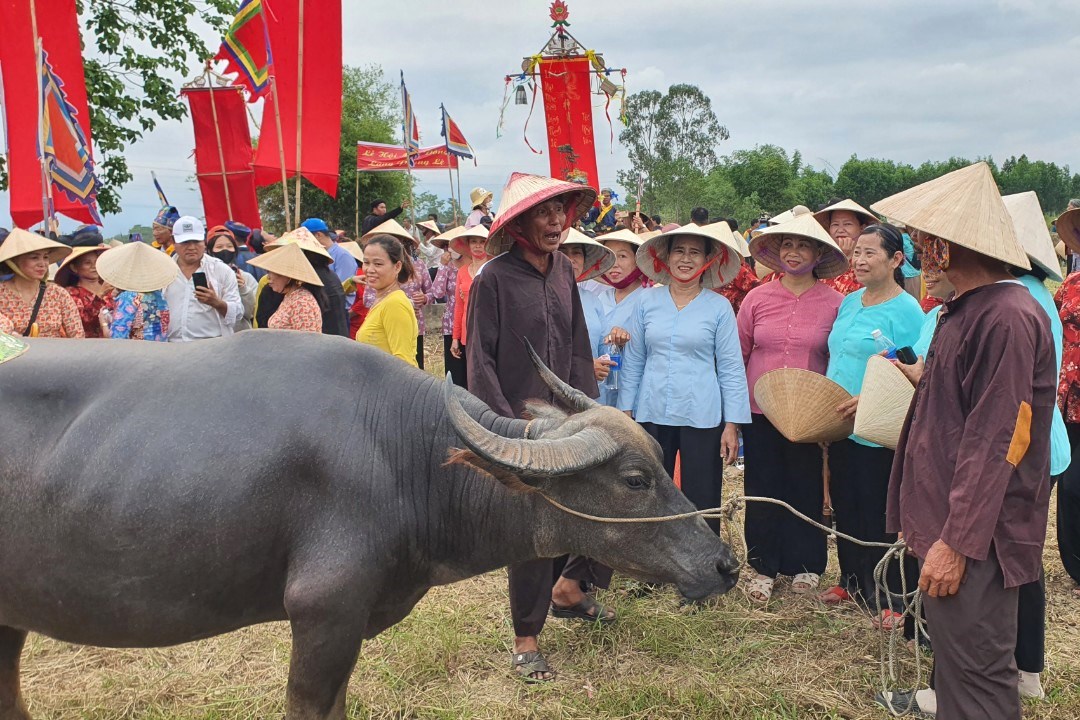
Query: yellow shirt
{"x": 391, "y": 326}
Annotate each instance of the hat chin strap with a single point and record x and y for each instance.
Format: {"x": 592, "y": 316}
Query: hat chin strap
{"x": 660, "y": 266}
{"x": 627, "y": 281}
{"x": 15, "y": 269}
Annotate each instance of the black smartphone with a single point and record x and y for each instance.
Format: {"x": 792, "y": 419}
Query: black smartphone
{"x": 199, "y": 278}
{"x": 907, "y": 356}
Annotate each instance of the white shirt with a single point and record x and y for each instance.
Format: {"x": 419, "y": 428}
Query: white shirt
{"x": 190, "y": 319}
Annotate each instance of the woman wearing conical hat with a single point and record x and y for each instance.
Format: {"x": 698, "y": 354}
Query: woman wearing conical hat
{"x": 290, "y": 274}
{"x": 471, "y": 245}
{"x": 1068, "y": 303}
{"x": 139, "y": 273}
{"x": 78, "y": 273}
{"x": 35, "y": 306}
{"x": 618, "y": 302}
{"x": 786, "y": 324}
{"x": 590, "y": 260}
{"x": 844, "y": 220}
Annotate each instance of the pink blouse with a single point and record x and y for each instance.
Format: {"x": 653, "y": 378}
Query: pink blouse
{"x": 778, "y": 329}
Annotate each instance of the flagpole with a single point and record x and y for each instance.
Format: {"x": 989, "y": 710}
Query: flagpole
{"x": 357, "y": 230}
{"x": 449, "y": 169}
{"x": 459, "y": 191}
{"x": 46, "y": 183}
{"x": 220, "y": 149}
{"x": 405, "y": 130}
{"x": 277, "y": 120}
{"x": 299, "y": 108}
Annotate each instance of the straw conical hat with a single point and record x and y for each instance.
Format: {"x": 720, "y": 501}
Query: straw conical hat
{"x": 64, "y": 275}
{"x": 598, "y": 259}
{"x": 430, "y": 226}
{"x": 744, "y": 249}
{"x": 302, "y": 237}
{"x": 802, "y": 405}
{"x": 290, "y": 261}
{"x": 137, "y": 267}
{"x": 353, "y": 248}
{"x": 460, "y": 242}
{"x": 524, "y": 191}
{"x": 1061, "y": 250}
{"x": 789, "y": 215}
{"x": 444, "y": 239}
{"x": 626, "y": 236}
{"x": 653, "y": 253}
{"x": 1068, "y": 229}
{"x": 390, "y": 227}
{"x": 1030, "y": 227}
{"x": 883, "y": 403}
{"x": 962, "y": 207}
{"x": 19, "y": 242}
{"x": 824, "y": 216}
{"x": 765, "y": 246}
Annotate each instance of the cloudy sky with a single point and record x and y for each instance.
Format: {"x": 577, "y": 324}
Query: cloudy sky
{"x": 908, "y": 80}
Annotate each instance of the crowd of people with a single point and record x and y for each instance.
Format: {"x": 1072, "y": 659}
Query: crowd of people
{"x": 675, "y": 325}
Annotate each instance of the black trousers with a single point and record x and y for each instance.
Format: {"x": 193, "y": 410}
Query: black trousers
{"x": 457, "y": 367}
{"x": 531, "y": 584}
{"x": 859, "y": 488}
{"x": 779, "y": 543}
{"x": 1031, "y": 626}
{"x": 420, "y": 351}
{"x": 702, "y": 468}
{"x": 1068, "y": 508}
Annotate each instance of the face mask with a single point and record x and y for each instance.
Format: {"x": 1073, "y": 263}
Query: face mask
{"x": 454, "y": 255}
{"x": 225, "y": 256}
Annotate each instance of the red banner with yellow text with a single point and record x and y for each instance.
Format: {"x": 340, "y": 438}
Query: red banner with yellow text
{"x": 566, "y": 84}
{"x": 377, "y": 157}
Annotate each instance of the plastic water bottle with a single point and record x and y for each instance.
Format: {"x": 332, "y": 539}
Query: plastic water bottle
{"x": 884, "y": 344}
{"x": 614, "y": 354}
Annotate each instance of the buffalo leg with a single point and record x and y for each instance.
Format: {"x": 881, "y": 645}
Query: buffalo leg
{"x": 11, "y": 645}
{"x": 324, "y": 651}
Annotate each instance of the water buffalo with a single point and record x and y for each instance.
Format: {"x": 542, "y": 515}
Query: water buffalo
{"x": 156, "y": 494}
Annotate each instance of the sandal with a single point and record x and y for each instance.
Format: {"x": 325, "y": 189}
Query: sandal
{"x": 532, "y": 663}
{"x": 805, "y": 583}
{"x": 588, "y": 610}
{"x": 889, "y": 620}
{"x": 760, "y": 589}
{"x": 834, "y": 595}
{"x": 902, "y": 703}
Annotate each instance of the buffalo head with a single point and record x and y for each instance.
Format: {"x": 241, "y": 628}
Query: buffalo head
{"x": 598, "y": 461}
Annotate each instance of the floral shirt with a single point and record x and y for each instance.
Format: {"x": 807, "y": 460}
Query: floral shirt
{"x": 420, "y": 283}
{"x": 445, "y": 286}
{"x": 1067, "y": 300}
{"x": 5, "y": 324}
{"x": 298, "y": 311}
{"x": 845, "y": 283}
{"x": 743, "y": 283}
{"x": 140, "y": 316}
{"x": 90, "y": 306}
{"x": 930, "y": 302}
{"x": 58, "y": 316}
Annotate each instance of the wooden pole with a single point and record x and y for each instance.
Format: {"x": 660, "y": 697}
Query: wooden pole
{"x": 46, "y": 181}
{"x": 459, "y": 191}
{"x": 299, "y": 108}
{"x": 357, "y": 229}
{"x": 220, "y": 149}
{"x": 450, "y": 172}
{"x": 277, "y": 119}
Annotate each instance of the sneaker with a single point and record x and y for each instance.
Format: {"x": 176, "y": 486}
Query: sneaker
{"x": 1031, "y": 686}
{"x": 902, "y": 703}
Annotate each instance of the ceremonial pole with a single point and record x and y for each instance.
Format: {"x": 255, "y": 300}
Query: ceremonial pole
{"x": 299, "y": 108}
{"x": 217, "y": 134}
{"x": 459, "y": 192}
{"x": 357, "y": 230}
{"x": 449, "y": 169}
{"x": 277, "y": 120}
{"x": 46, "y": 181}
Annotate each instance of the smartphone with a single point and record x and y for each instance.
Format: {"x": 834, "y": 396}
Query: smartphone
{"x": 199, "y": 278}
{"x": 907, "y": 356}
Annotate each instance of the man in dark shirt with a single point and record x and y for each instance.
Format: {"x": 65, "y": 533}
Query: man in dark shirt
{"x": 379, "y": 215}
{"x": 970, "y": 485}
{"x": 528, "y": 292}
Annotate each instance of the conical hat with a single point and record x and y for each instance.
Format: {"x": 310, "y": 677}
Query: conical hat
{"x": 744, "y": 249}
{"x": 390, "y": 227}
{"x": 444, "y": 239}
{"x": 1061, "y": 250}
{"x": 1029, "y": 223}
{"x": 598, "y": 259}
{"x": 430, "y": 226}
{"x": 962, "y": 207}
{"x": 802, "y": 405}
{"x": 788, "y": 215}
{"x": 302, "y": 237}
{"x": 765, "y": 246}
{"x": 523, "y": 192}
{"x": 137, "y": 267}
{"x": 824, "y": 216}
{"x": 290, "y": 261}
{"x": 460, "y": 241}
{"x": 64, "y": 275}
{"x": 19, "y": 242}
{"x": 627, "y": 236}
{"x": 883, "y": 404}
{"x": 652, "y": 255}
{"x": 1068, "y": 229}
{"x": 353, "y": 248}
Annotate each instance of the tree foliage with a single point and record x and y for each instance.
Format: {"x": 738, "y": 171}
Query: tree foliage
{"x": 369, "y": 112}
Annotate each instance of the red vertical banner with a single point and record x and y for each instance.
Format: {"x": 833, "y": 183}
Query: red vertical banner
{"x": 306, "y": 91}
{"x": 223, "y": 155}
{"x": 58, "y": 26}
{"x": 566, "y": 84}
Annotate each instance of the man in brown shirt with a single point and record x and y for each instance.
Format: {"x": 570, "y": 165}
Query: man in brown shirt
{"x": 970, "y": 487}
{"x": 528, "y": 292}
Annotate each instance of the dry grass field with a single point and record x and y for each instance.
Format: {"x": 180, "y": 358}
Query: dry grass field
{"x": 451, "y": 659}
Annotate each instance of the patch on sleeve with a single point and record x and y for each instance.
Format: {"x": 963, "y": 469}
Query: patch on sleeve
{"x": 1021, "y": 438}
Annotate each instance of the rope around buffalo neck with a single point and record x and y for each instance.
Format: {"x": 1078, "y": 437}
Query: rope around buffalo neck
{"x": 893, "y": 551}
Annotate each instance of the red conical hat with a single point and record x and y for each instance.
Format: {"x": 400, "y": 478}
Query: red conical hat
{"x": 523, "y": 192}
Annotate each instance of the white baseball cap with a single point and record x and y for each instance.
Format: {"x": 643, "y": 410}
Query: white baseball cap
{"x": 188, "y": 229}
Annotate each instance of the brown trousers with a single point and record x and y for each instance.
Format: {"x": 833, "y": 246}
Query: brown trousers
{"x": 974, "y": 634}
{"x": 531, "y": 584}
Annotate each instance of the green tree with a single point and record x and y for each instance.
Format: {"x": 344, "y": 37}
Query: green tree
{"x": 1051, "y": 183}
{"x": 369, "y": 112}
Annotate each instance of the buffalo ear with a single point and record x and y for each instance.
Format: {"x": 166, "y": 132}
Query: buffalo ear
{"x": 471, "y": 460}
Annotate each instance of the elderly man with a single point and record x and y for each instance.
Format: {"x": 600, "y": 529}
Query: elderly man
{"x": 343, "y": 264}
{"x": 162, "y": 229}
{"x": 602, "y": 219}
{"x": 204, "y": 300}
{"x": 970, "y": 487}
{"x": 528, "y": 292}
{"x": 379, "y": 215}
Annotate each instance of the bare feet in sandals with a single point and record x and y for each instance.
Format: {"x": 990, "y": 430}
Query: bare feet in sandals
{"x": 568, "y": 601}
{"x": 529, "y": 663}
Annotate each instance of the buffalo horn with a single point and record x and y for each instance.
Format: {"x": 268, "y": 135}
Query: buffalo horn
{"x": 569, "y": 396}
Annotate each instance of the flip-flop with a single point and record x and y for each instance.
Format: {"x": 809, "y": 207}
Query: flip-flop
{"x": 528, "y": 663}
{"x": 834, "y": 596}
{"x": 888, "y": 620}
{"x": 588, "y": 610}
